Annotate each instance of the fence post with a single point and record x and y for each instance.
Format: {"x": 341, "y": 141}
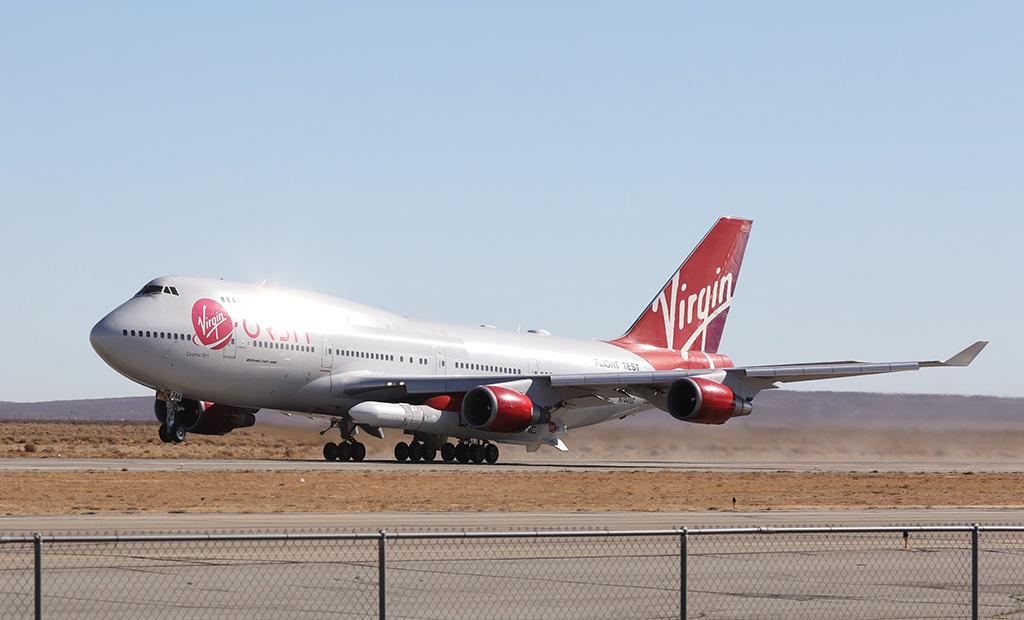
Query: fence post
{"x": 37, "y": 544}
{"x": 974, "y": 572}
{"x": 683, "y": 541}
{"x": 382, "y": 584}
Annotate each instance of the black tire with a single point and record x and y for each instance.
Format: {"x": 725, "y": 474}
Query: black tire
{"x": 491, "y": 453}
{"x": 165, "y": 436}
{"x": 429, "y": 454}
{"x": 344, "y": 451}
{"x": 358, "y": 451}
{"x": 416, "y": 451}
{"x": 178, "y": 433}
{"x": 462, "y": 453}
{"x": 477, "y": 454}
{"x": 448, "y": 452}
{"x": 330, "y": 451}
{"x": 401, "y": 451}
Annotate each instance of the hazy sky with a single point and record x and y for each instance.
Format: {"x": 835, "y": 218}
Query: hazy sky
{"x": 528, "y": 164}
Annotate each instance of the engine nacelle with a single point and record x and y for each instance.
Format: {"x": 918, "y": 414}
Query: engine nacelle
{"x": 499, "y": 409}
{"x": 207, "y": 418}
{"x": 701, "y": 401}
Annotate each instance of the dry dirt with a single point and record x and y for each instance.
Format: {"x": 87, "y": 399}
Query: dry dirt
{"x": 26, "y": 493}
{"x": 614, "y": 441}
{"x": 29, "y": 493}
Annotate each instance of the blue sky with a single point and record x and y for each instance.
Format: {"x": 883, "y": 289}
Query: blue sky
{"x": 529, "y": 164}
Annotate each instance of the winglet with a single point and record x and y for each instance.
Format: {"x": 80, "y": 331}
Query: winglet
{"x": 965, "y": 357}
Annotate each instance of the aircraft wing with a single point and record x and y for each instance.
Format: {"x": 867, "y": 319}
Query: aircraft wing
{"x": 746, "y": 381}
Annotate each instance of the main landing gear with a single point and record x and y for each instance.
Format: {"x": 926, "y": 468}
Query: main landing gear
{"x": 344, "y": 451}
{"x": 415, "y": 451}
{"x": 466, "y": 451}
{"x": 349, "y": 449}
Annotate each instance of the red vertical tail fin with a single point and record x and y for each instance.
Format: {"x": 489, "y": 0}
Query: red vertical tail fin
{"x": 689, "y": 312}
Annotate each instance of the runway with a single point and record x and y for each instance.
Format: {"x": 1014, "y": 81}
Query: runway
{"x": 525, "y": 465}
{"x": 488, "y": 519}
{"x": 465, "y": 521}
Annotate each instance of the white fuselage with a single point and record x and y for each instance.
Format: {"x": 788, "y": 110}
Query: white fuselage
{"x": 295, "y": 351}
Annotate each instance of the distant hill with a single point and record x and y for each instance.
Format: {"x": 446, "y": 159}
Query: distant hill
{"x": 133, "y": 408}
{"x": 874, "y": 410}
{"x": 771, "y": 409}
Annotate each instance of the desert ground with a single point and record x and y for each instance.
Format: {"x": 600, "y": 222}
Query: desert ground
{"x": 674, "y": 441}
{"x": 475, "y": 489}
{"x": 454, "y": 490}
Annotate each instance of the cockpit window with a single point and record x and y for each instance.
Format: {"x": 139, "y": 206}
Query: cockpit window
{"x": 153, "y": 289}
{"x": 150, "y": 289}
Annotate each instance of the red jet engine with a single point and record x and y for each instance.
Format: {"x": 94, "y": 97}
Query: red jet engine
{"x": 702, "y": 401}
{"x": 499, "y": 409}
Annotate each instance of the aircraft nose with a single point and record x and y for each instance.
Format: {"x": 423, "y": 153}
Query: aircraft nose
{"x": 104, "y": 336}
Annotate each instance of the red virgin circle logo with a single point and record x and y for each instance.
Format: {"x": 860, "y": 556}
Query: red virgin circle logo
{"x": 212, "y": 323}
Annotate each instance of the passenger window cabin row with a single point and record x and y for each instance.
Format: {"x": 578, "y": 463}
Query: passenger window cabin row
{"x": 262, "y": 344}
{"x": 153, "y": 334}
{"x": 423, "y": 361}
{"x": 384, "y": 357}
{"x": 283, "y": 346}
{"x": 286, "y": 346}
{"x": 487, "y": 368}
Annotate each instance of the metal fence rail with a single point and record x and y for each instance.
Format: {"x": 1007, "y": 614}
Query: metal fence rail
{"x": 780, "y": 572}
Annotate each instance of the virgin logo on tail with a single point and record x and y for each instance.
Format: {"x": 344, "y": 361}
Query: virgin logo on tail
{"x": 687, "y": 307}
{"x": 212, "y": 324}
{"x": 693, "y": 305}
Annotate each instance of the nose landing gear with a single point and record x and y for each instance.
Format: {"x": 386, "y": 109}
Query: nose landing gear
{"x": 171, "y": 430}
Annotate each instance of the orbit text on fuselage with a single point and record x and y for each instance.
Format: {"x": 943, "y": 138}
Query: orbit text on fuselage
{"x": 253, "y": 330}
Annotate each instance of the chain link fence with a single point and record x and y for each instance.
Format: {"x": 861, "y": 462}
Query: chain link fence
{"x": 881, "y": 572}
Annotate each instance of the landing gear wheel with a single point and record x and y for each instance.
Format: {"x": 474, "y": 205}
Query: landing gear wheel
{"x": 462, "y": 453}
{"x": 491, "y": 453}
{"x": 477, "y": 454}
{"x": 448, "y": 452}
{"x": 330, "y": 451}
{"x": 344, "y": 451}
{"x": 401, "y": 451}
{"x": 416, "y": 451}
{"x": 358, "y": 451}
{"x": 429, "y": 454}
{"x": 165, "y": 436}
{"x": 177, "y": 433}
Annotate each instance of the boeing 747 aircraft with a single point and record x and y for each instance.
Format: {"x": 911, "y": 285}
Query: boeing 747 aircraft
{"x": 216, "y": 352}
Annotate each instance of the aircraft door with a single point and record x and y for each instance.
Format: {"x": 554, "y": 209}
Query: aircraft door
{"x": 243, "y": 340}
{"x": 229, "y": 349}
{"x": 327, "y": 362}
{"x": 327, "y": 358}
{"x": 440, "y": 363}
